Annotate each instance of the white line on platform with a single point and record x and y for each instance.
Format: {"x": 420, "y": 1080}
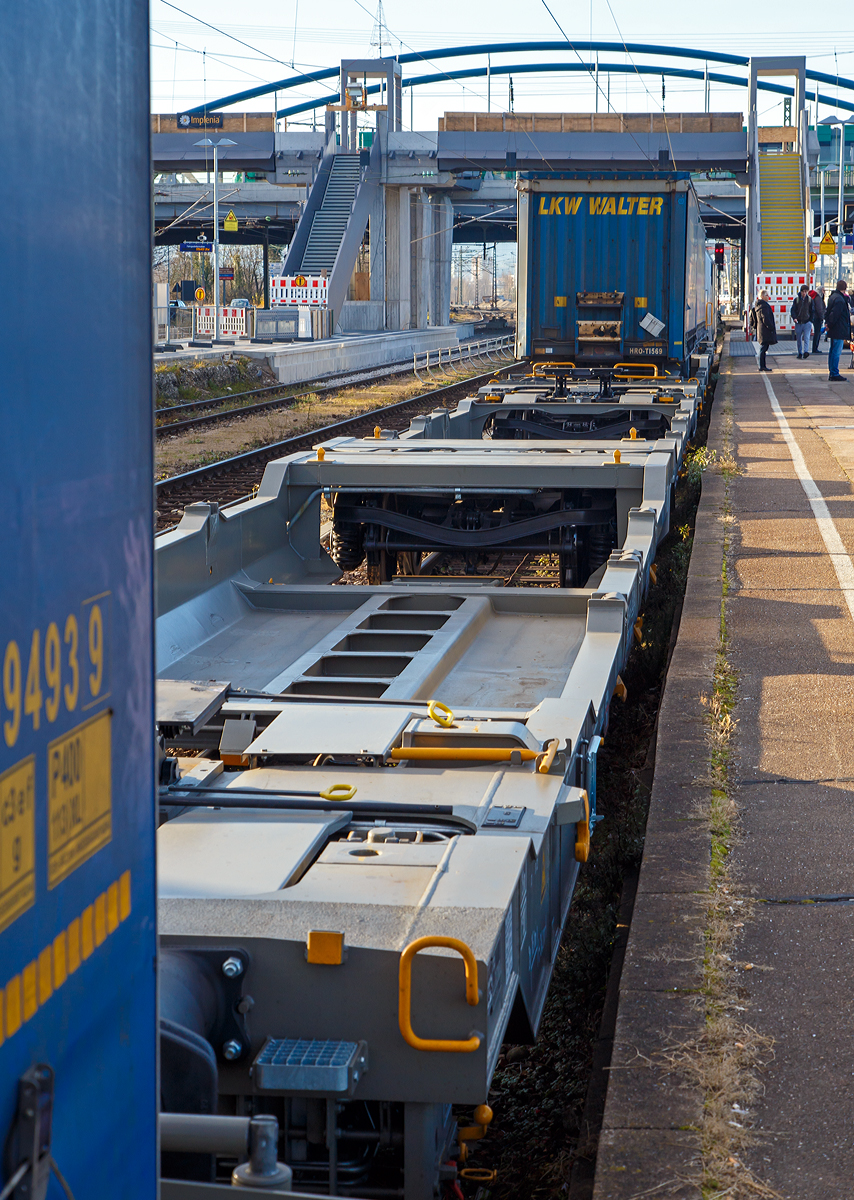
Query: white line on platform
{"x": 840, "y": 558}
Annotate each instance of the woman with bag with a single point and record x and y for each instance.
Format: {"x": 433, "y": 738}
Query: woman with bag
{"x": 763, "y": 327}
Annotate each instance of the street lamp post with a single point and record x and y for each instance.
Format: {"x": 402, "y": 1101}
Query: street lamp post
{"x": 840, "y": 206}
{"x": 216, "y": 146}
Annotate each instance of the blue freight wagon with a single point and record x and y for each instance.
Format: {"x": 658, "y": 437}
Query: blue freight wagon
{"x": 78, "y": 1028}
{"x": 612, "y": 267}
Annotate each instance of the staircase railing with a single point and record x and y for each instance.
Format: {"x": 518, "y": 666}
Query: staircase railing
{"x": 293, "y": 262}
{"x": 803, "y": 134}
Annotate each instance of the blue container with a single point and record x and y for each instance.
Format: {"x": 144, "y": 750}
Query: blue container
{"x": 77, "y": 932}
{"x": 612, "y": 268}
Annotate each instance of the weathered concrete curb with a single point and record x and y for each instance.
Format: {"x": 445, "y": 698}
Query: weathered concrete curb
{"x": 650, "y": 1141}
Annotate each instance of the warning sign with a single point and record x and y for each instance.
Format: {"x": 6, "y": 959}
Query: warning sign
{"x": 827, "y": 245}
{"x": 230, "y": 224}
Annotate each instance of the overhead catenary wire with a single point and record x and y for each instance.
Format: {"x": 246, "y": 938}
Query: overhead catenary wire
{"x": 596, "y": 76}
{"x": 181, "y": 47}
{"x": 631, "y": 60}
{"x": 222, "y": 33}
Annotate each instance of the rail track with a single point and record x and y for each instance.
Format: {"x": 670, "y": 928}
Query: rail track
{"x": 233, "y": 479}
{"x": 177, "y": 422}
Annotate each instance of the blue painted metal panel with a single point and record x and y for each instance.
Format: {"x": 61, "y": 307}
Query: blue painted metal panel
{"x": 640, "y": 234}
{"x": 77, "y": 934}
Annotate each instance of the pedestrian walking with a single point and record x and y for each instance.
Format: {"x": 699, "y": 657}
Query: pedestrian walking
{"x": 819, "y": 307}
{"x": 763, "y": 327}
{"x": 838, "y": 321}
{"x": 803, "y": 315}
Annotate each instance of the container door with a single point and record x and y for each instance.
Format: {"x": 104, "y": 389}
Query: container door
{"x": 600, "y": 265}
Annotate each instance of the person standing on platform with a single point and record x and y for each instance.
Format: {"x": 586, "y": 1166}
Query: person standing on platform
{"x": 763, "y": 327}
{"x": 819, "y": 307}
{"x": 838, "y": 321}
{"x": 803, "y": 315}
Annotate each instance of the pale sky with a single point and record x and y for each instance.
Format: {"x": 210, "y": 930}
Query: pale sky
{"x": 193, "y": 63}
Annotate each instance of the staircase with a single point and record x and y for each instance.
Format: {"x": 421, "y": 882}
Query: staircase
{"x": 330, "y": 220}
{"x": 781, "y": 208}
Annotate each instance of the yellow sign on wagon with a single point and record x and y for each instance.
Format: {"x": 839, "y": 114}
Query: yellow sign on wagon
{"x": 79, "y": 796}
{"x": 17, "y": 840}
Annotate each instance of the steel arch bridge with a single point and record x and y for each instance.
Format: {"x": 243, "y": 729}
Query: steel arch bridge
{"x": 490, "y": 48}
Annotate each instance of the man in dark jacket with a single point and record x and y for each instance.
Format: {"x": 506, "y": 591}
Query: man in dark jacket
{"x": 763, "y": 327}
{"x": 819, "y": 310}
{"x": 803, "y": 315}
{"x": 838, "y": 321}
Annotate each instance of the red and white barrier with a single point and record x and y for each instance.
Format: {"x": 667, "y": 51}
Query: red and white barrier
{"x": 299, "y": 289}
{"x": 782, "y": 287}
{"x": 232, "y": 321}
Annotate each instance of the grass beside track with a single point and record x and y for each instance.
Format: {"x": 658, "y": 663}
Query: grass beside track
{"x": 201, "y": 447}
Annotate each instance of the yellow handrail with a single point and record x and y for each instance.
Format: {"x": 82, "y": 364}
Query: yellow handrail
{"x": 544, "y": 365}
{"x": 462, "y": 753}
{"x": 582, "y": 834}
{"x": 404, "y": 1013}
{"x": 639, "y": 365}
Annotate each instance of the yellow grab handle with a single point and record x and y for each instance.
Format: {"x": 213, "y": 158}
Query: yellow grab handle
{"x": 404, "y": 1016}
{"x": 635, "y": 366}
{"x": 545, "y": 763}
{"x": 338, "y": 791}
{"x": 440, "y": 713}
{"x": 462, "y": 753}
{"x": 478, "y": 1174}
{"x": 546, "y": 365}
{"x": 582, "y": 834}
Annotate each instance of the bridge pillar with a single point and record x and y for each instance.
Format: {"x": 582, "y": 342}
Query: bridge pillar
{"x": 397, "y": 256}
{"x": 378, "y": 232}
{"x": 422, "y": 246}
{"x": 442, "y": 244}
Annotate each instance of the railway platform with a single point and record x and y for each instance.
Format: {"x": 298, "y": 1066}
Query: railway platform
{"x": 732, "y": 1063}
{"x": 298, "y": 362}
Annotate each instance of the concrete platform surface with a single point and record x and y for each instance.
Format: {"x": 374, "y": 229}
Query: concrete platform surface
{"x": 299, "y": 362}
{"x": 790, "y": 619}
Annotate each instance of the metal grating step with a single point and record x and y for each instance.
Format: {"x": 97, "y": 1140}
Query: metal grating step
{"x": 310, "y": 1065}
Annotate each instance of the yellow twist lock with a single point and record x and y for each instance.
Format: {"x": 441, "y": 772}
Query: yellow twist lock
{"x": 582, "y": 834}
{"x": 620, "y": 689}
{"x": 545, "y": 763}
{"x": 377, "y": 432}
{"x": 338, "y": 791}
{"x": 321, "y": 454}
{"x": 404, "y": 1009}
{"x": 617, "y": 456}
{"x": 473, "y": 1133}
{"x": 653, "y": 574}
{"x": 633, "y": 433}
{"x": 440, "y": 713}
{"x": 637, "y": 629}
